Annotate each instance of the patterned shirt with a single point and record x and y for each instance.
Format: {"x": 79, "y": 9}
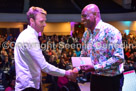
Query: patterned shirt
{"x": 105, "y": 49}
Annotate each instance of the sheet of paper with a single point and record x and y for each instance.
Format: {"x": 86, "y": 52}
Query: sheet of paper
{"x": 78, "y": 61}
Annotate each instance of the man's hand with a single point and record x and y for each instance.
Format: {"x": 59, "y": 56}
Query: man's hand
{"x": 71, "y": 74}
{"x": 87, "y": 68}
{"x": 75, "y": 70}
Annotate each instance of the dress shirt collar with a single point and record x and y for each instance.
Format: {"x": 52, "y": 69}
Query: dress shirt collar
{"x": 32, "y": 29}
{"x": 98, "y": 26}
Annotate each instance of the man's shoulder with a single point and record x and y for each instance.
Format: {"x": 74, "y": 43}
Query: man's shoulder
{"x": 110, "y": 28}
{"x": 25, "y": 36}
{"x": 107, "y": 25}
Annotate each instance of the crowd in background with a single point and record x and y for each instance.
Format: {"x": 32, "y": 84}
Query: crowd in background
{"x": 58, "y": 51}
{"x": 129, "y": 43}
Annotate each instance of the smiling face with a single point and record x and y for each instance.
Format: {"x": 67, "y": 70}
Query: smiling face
{"x": 39, "y": 22}
{"x": 90, "y": 15}
{"x": 87, "y": 18}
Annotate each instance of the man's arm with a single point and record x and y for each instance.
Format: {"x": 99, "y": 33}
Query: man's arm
{"x": 36, "y": 54}
{"x": 85, "y": 39}
{"x": 115, "y": 49}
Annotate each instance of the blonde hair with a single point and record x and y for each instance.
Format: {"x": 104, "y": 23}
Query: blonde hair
{"x": 32, "y": 12}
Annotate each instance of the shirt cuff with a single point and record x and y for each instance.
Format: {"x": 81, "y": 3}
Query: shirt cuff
{"x": 63, "y": 72}
{"x": 98, "y": 67}
{"x": 78, "y": 68}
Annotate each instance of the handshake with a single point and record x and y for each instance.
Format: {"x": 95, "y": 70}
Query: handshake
{"x": 72, "y": 74}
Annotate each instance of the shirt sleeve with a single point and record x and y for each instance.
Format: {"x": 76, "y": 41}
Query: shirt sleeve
{"x": 115, "y": 49}
{"x": 35, "y": 53}
{"x": 84, "y": 44}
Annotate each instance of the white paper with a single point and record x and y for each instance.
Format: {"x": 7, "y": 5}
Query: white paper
{"x": 78, "y": 61}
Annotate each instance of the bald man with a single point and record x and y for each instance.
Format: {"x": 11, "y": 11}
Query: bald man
{"x": 103, "y": 44}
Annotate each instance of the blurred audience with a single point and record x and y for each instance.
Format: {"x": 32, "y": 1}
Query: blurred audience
{"x": 58, "y": 51}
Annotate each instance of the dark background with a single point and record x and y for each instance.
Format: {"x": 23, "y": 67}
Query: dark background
{"x": 61, "y": 6}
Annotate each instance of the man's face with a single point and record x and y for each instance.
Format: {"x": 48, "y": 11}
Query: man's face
{"x": 88, "y": 18}
{"x": 39, "y": 22}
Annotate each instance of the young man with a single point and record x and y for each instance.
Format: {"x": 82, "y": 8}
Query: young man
{"x": 103, "y": 44}
{"x": 29, "y": 60}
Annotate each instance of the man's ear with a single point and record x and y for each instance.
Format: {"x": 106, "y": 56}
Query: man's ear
{"x": 31, "y": 20}
{"x": 95, "y": 14}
